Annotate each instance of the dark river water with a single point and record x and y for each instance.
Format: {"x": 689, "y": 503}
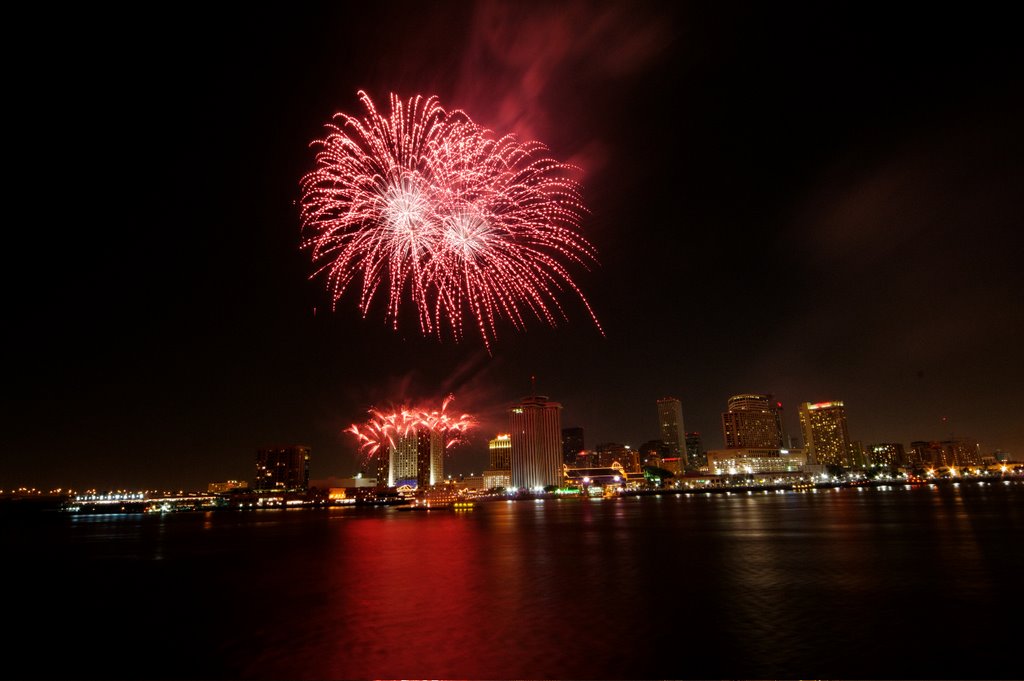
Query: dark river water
{"x": 834, "y": 584}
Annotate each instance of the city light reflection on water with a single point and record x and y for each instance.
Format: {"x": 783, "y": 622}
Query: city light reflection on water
{"x": 754, "y": 586}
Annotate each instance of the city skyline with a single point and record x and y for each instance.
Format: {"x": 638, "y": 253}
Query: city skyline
{"x": 404, "y": 462}
{"x": 828, "y": 213}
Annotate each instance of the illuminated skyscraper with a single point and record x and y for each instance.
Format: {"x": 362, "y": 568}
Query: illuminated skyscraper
{"x": 500, "y": 472}
{"x": 888, "y": 454}
{"x": 536, "y": 429}
{"x": 670, "y": 420}
{"x": 825, "y": 434}
{"x": 402, "y": 460}
{"x": 416, "y": 458}
{"x": 752, "y": 422}
{"x": 500, "y": 450}
{"x": 429, "y": 457}
{"x": 282, "y": 468}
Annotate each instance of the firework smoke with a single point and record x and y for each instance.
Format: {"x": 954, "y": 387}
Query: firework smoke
{"x": 424, "y": 203}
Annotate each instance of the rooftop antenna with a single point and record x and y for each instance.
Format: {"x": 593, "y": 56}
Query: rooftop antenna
{"x": 533, "y": 386}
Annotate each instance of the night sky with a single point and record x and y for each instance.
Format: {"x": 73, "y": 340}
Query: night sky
{"x": 819, "y": 202}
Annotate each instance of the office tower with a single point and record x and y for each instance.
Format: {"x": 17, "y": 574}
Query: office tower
{"x": 416, "y": 459}
{"x": 670, "y": 420}
{"x": 500, "y": 451}
{"x": 695, "y": 449}
{"x": 825, "y": 435}
{"x": 572, "y": 445}
{"x": 886, "y": 454}
{"x": 499, "y": 474}
{"x": 402, "y": 460}
{"x": 283, "y": 468}
{"x": 752, "y": 421}
{"x": 536, "y": 429}
{"x": 429, "y": 457}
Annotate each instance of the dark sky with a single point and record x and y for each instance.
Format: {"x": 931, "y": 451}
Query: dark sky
{"x": 814, "y": 201}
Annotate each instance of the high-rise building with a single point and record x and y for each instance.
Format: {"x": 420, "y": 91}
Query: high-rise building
{"x": 752, "y": 421}
{"x": 695, "y": 450}
{"x": 500, "y": 452}
{"x": 416, "y": 459}
{"x": 670, "y": 421}
{"x": 283, "y": 468}
{"x": 429, "y": 457}
{"x": 886, "y": 454}
{"x": 826, "y": 437}
{"x": 499, "y": 474}
{"x": 402, "y": 460}
{"x": 572, "y": 445}
{"x": 536, "y": 430}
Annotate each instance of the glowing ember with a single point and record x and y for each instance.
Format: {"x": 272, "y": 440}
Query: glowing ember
{"x": 425, "y": 203}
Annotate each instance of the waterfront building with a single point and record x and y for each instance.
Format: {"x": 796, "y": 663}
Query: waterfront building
{"x": 670, "y": 421}
{"x": 499, "y": 473}
{"x": 334, "y": 482}
{"x": 227, "y": 485}
{"x": 403, "y": 459}
{"x": 752, "y": 421}
{"x": 494, "y": 479}
{"x": 886, "y": 454}
{"x": 825, "y": 433}
{"x": 595, "y": 477}
{"x": 416, "y": 459}
{"x": 962, "y": 451}
{"x": 500, "y": 452}
{"x": 954, "y": 452}
{"x": 282, "y": 468}
{"x": 610, "y": 452}
{"x": 429, "y": 457}
{"x": 572, "y": 445}
{"x": 536, "y": 432}
{"x": 755, "y": 460}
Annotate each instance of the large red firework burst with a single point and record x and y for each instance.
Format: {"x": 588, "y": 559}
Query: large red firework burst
{"x": 384, "y": 428}
{"x": 426, "y": 204}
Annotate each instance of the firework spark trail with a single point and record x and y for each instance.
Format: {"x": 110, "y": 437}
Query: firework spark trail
{"x": 383, "y": 428}
{"x": 425, "y": 202}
